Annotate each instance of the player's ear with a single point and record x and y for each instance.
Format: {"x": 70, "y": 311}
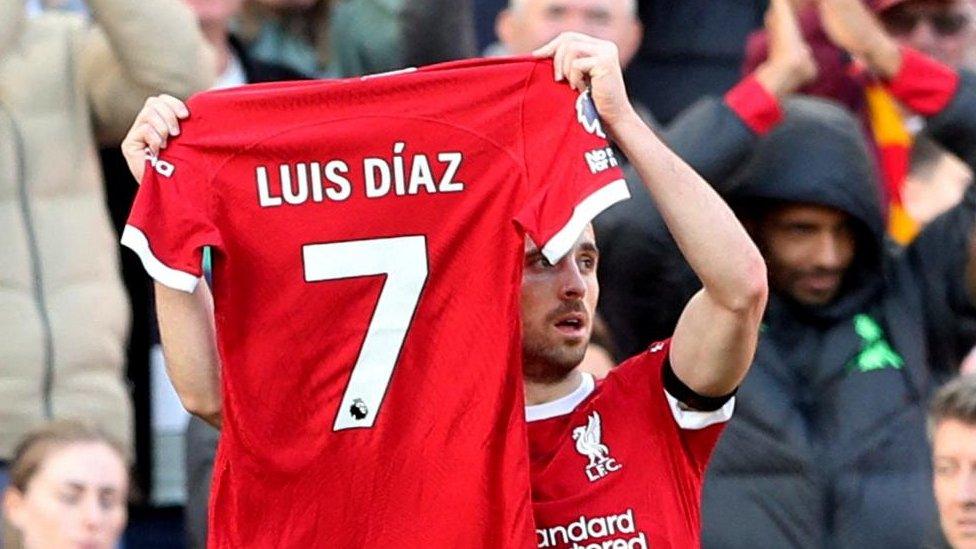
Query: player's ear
{"x": 504, "y": 26}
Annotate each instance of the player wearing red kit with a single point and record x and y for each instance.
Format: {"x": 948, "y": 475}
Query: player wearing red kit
{"x": 623, "y": 458}
{"x": 365, "y": 281}
{"x": 619, "y": 463}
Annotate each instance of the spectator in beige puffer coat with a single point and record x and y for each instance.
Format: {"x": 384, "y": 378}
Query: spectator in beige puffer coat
{"x": 67, "y": 86}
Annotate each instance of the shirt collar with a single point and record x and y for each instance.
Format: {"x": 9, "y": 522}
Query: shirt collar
{"x": 562, "y": 405}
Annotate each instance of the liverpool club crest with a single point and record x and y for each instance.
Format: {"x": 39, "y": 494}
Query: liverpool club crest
{"x": 588, "y": 444}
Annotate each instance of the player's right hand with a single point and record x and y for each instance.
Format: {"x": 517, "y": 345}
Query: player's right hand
{"x": 157, "y": 121}
{"x": 587, "y": 62}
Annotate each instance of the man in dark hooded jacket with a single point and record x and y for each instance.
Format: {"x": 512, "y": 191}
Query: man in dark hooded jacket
{"x": 827, "y": 448}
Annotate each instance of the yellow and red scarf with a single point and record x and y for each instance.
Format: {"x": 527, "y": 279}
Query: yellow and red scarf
{"x": 894, "y": 145}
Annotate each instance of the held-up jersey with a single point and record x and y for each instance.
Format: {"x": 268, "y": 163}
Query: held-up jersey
{"x": 620, "y": 462}
{"x": 367, "y": 260}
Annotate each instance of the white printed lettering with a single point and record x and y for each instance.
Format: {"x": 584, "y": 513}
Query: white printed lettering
{"x": 343, "y": 188}
{"x": 448, "y": 185}
{"x": 374, "y": 189}
{"x": 420, "y": 175}
{"x": 291, "y": 194}
{"x": 264, "y": 193}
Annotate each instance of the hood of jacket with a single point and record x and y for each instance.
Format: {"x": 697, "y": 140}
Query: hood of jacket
{"x": 819, "y": 155}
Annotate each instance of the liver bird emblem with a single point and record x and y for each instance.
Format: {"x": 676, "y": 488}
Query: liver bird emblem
{"x": 588, "y": 440}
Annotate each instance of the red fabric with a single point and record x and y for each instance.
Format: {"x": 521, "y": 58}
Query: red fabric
{"x": 650, "y": 488}
{"x": 894, "y": 165}
{"x": 445, "y": 462}
{"x": 923, "y": 84}
{"x": 758, "y": 109}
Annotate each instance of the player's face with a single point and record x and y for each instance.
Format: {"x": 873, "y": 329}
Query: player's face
{"x": 558, "y": 303}
{"x": 941, "y": 28}
{"x": 529, "y": 24}
{"x": 808, "y": 249}
{"x": 77, "y": 499}
{"x": 954, "y": 481}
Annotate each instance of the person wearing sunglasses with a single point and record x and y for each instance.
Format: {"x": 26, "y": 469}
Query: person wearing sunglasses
{"x": 943, "y": 29}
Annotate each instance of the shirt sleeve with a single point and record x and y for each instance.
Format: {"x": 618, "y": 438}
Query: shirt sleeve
{"x": 573, "y": 173}
{"x": 171, "y": 219}
{"x": 758, "y": 109}
{"x": 697, "y": 430}
{"x": 923, "y": 84}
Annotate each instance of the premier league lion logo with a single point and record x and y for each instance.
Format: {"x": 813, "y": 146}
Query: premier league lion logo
{"x": 587, "y": 116}
{"x": 359, "y": 409}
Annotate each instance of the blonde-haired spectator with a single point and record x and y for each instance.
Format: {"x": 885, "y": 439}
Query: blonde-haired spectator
{"x": 69, "y": 487}
{"x": 69, "y": 83}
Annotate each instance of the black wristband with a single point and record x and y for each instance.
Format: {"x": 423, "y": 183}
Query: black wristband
{"x": 677, "y": 388}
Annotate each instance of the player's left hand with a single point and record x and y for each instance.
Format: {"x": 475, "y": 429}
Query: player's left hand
{"x": 157, "y": 121}
{"x": 584, "y": 61}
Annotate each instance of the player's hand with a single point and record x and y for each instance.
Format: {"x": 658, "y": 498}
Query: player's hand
{"x": 584, "y": 61}
{"x": 158, "y": 120}
{"x": 851, "y": 26}
{"x": 790, "y": 64}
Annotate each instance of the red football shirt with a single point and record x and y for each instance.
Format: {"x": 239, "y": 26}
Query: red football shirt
{"x": 366, "y": 273}
{"x": 619, "y": 463}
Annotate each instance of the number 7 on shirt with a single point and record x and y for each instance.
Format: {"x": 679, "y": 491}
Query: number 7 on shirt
{"x": 404, "y": 260}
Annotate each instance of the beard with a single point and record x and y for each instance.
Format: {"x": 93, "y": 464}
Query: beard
{"x": 548, "y": 357}
{"x": 793, "y": 280}
{"x": 547, "y": 363}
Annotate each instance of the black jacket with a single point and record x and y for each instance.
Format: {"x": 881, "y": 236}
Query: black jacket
{"x": 827, "y": 446}
{"x": 644, "y": 280}
{"x": 691, "y": 48}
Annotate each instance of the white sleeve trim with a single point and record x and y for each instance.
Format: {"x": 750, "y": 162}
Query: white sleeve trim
{"x": 136, "y": 240}
{"x": 583, "y": 213}
{"x": 692, "y": 420}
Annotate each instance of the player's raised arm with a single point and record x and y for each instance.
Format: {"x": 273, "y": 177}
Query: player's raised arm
{"x": 716, "y": 335}
{"x": 186, "y": 327}
{"x": 186, "y": 323}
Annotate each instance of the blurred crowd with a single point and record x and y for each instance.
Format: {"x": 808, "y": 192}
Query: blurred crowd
{"x": 852, "y": 172}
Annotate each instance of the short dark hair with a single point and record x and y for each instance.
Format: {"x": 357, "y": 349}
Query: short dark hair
{"x": 955, "y": 400}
